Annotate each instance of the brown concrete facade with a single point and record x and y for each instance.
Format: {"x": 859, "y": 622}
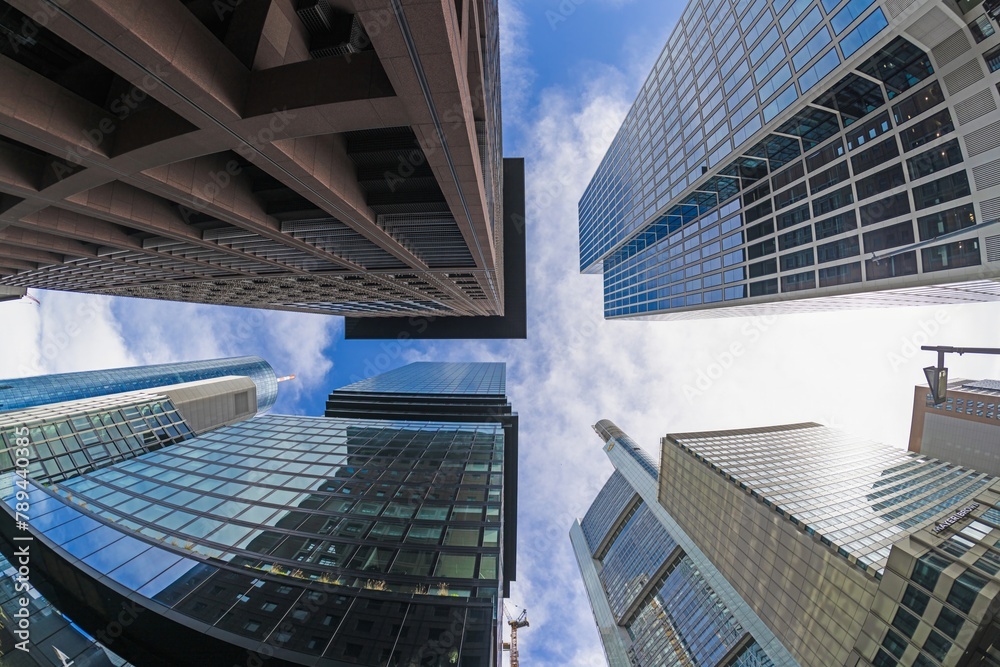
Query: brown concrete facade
{"x": 217, "y": 152}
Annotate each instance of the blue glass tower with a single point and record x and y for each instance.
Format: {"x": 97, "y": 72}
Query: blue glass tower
{"x": 370, "y": 536}
{"x": 20, "y": 393}
{"x": 806, "y": 155}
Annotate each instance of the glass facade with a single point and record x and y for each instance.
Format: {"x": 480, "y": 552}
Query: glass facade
{"x": 77, "y": 437}
{"x": 358, "y": 541}
{"x": 655, "y": 593}
{"x": 52, "y": 637}
{"x": 488, "y": 379}
{"x": 720, "y": 144}
{"x": 20, "y": 393}
{"x": 858, "y": 496}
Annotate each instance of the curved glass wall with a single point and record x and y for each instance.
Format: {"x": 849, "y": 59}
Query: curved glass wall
{"x": 19, "y": 393}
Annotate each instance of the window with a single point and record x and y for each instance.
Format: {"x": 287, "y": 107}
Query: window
{"x": 915, "y": 599}
{"x": 904, "y": 264}
{"x": 884, "y": 209}
{"x": 786, "y": 176}
{"x": 946, "y": 222}
{"x": 894, "y": 643}
{"x": 846, "y": 16}
{"x": 815, "y": 74}
{"x": 831, "y": 202}
{"x": 793, "y": 217}
{"x": 942, "y": 190}
{"x": 758, "y": 211}
{"x": 829, "y": 252}
{"x": 881, "y": 182}
{"x": 865, "y": 133}
{"x": 924, "y": 164}
{"x": 927, "y": 570}
{"x": 797, "y": 260}
{"x": 451, "y": 565}
{"x": 874, "y": 156}
{"x": 923, "y": 100}
{"x": 811, "y": 48}
{"x": 767, "y": 267}
{"x": 790, "y": 196}
{"x": 838, "y": 224}
{"x": 764, "y": 287}
{"x": 829, "y": 177}
{"x": 937, "y": 645}
{"x": 798, "y": 281}
{"x": 964, "y": 590}
{"x": 864, "y": 33}
{"x": 889, "y": 237}
{"x": 927, "y": 130}
{"x": 795, "y": 238}
{"x": 840, "y": 275}
{"x": 992, "y": 58}
{"x": 760, "y": 249}
{"x": 949, "y": 622}
{"x": 825, "y": 155}
{"x": 981, "y": 28}
{"x": 905, "y": 622}
{"x": 759, "y": 230}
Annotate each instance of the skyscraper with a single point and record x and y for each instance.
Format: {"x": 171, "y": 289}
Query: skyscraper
{"x": 313, "y": 157}
{"x": 965, "y": 429}
{"x": 656, "y": 597}
{"x": 19, "y": 393}
{"x": 847, "y": 551}
{"x": 799, "y": 156}
{"x": 349, "y": 539}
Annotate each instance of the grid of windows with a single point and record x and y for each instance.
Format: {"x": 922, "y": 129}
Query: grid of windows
{"x": 249, "y": 524}
{"x": 20, "y": 393}
{"x": 437, "y": 378}
{"x": 652, "y": 219}
{"x": 77, "y": 437}
{"x": 858, "y": 496}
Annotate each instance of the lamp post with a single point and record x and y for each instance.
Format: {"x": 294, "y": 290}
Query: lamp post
{"x": 937, "y": 376}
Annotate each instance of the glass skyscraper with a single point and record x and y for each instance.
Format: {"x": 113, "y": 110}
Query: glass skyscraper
{"x": 657, "y": 599}
{"x": 795, "y": 155}
{"x": 848, "y": 552}
{"x": 19, "y": 393}
{"x": 338, "y": 540}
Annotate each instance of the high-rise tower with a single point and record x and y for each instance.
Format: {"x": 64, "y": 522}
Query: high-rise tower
{"x": 804, "y": 155}
{"x": 324, "y": 157}
{"x": 357, "y": 539}
{"x": 827, "y": 549}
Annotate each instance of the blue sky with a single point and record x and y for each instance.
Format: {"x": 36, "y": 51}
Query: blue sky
{"x": 571, "y": 70}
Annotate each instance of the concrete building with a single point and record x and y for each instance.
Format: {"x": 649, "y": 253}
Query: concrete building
{"x": 233, "y": 537}
{"x": 846, "y": 552}
{"x": 964, "y": 430}
{"x": 804, "y": 155}
{"x": 325, "y": 156}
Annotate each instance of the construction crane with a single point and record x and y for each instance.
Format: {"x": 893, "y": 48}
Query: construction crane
{"x": 520, "y": 622}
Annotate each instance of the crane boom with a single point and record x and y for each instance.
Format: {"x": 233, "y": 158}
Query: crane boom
{"x": 520, "y": 622}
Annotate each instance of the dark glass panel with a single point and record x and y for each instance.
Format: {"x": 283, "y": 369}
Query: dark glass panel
{"x": 904, "y": 264}
{"x": 946, "y": 222}
{"x": 874, "y": 156}
{"x": 840, "y": 275}
{"x": 945, "y": 189}
{"x": 892, "y": 236}
{"x": 838, "y": 224}
{"x": 924, "y": 99}
{"x": 936, "y": 159}
{"x": 881, "y": 181}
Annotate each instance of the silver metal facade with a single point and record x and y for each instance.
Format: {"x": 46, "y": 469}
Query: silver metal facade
{"x": 779, "y": 148}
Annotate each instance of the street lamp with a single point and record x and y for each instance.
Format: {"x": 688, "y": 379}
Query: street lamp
{"x": 937, "y": 376}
